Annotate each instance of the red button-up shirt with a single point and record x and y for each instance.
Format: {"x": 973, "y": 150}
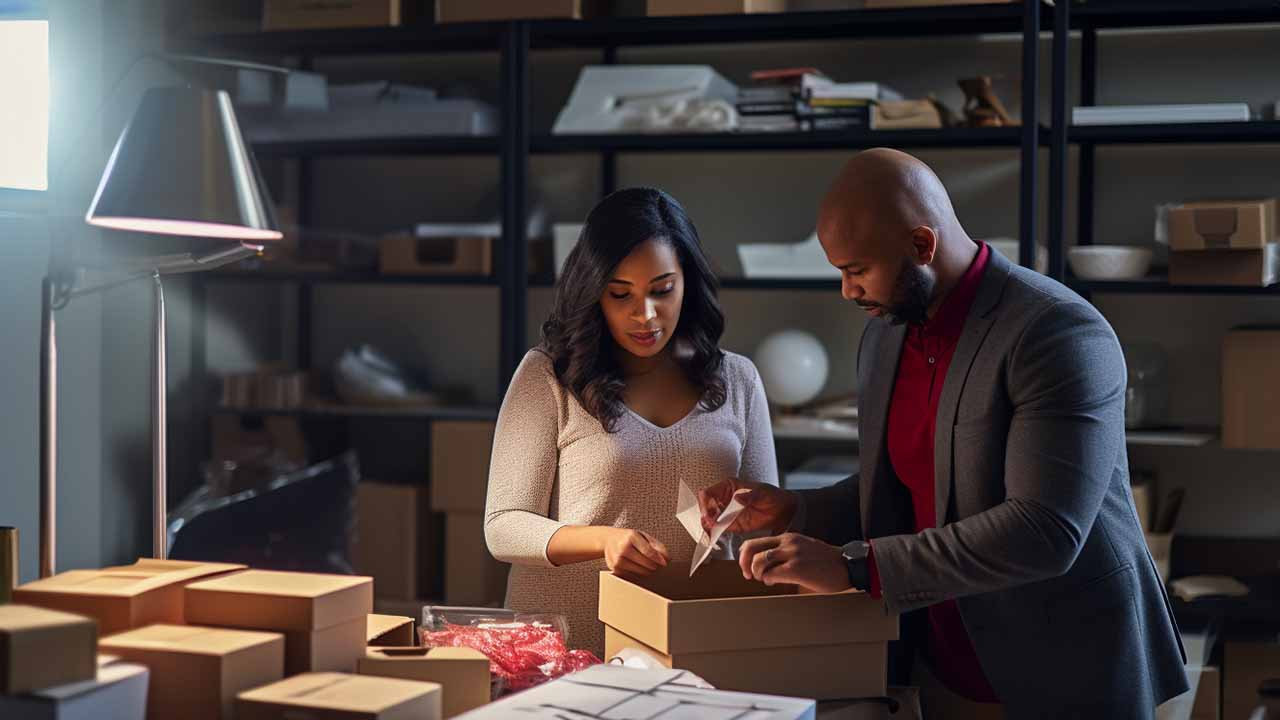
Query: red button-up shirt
{"x": 913, "y": 411}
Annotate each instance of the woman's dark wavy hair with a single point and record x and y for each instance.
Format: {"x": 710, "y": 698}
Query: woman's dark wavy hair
{"x": 575, "y": 334}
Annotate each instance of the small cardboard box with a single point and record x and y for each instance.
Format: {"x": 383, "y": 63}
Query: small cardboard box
{"x": 1208, "y": 699}
{"x": 42, "y": 648}
{"x": 337, "y": 696}
{"x": 713, "y": 7}
{"x": 316, "y": 14}
{"x": 396, "y": 540}
{"x": 472, "y": 576}
{"x": 463, "y": 673}
{"x": 1246, "y": 268}
{"x": 333, "y": 649}
{"x": 460, "y": 453}
{"x": 117, "y": 692}
{"x": 1250, "y": 385}
{"x": 1223, "y": 225}
{"x": 196, "y": 672}
{"x": 404, "y": 254}
{"x": 390, "y": 631}
{"x": 125, "y": 597}
{"x": 453, "y": 11}
{"x": 696, "y": 624}
{"x": 1245, "y": 665}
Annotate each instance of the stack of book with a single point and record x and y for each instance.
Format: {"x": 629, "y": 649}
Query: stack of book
{"x": 803, "y": 99}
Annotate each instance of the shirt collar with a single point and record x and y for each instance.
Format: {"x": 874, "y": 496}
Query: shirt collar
{"x": 949, "y": 320}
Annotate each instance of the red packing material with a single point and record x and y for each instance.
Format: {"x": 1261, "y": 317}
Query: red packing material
{"x": 520, "y": 654}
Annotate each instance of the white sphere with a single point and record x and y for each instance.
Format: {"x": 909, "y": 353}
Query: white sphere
{"x": 793, "y": 366}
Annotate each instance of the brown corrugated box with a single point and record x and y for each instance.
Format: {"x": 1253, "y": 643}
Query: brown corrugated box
{"x": 315, "y": 14}
{"x": 124, "y": 597}
{"x": 404, "y": 254}
{"x": 1208, "y": 695}
{"x": 460, "y": 452}
{"x": 1245, "y": 665}
{"x": 879, "y": 4}
{"x": 41, "y": 648}
{"x": 1247, "y": 268}
{"x": 1250, "y": 385}
{"x": 390, "y": 631}
{"x": 472, "y": 576}
{"x": 196, "y": 672}
{"x": 324, "y": 618}
{"x": 823, "y": 646}
{"x": 337, "y": 696}
{"x": 1222, "y": 225}
{"x": 451, "y": 11}
{"x": 713, "y": 7}
{"x": 463, "y": 673}
{"x": 396, "y": 540}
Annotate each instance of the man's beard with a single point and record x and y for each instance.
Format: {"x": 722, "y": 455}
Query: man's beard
{"x": 912, "y": 293}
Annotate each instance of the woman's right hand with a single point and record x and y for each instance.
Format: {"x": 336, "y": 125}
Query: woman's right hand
{"x": 633, "y": 552}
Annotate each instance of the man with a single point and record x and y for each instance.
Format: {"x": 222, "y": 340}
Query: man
{"x": 994, "y": 485}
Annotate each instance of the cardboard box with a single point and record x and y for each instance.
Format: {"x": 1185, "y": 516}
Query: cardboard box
{"x": 1224, "y": 225}
{"x": 713, "y": 7}
{"x": 462, "y": 673}
{"x": 396, "y": 540}
{"x": 471, "y": 575}
{"x": 337, "y": 696}
{"x": 452, "y": 11}
{"x": 124, "y": 597}
{"x": 42, "y": 648}
{"x": 460, "y": 452}
{"x": 1208, "y": 699}
{"x": 699, "y": 620}
{"x": 315, "y": 14}
{"x": 404, "y": 254}
{"x": 196, "y": 672}
{"x": 880, "y": 4}
{"x": 1247, "y": 268}
{"x": 1250, "y": 385}
{"x": 390, "y": 631}
{"x": 1244, "y": 666}
{"x": 117, "y": 692}
{"x": 333, "y": 649}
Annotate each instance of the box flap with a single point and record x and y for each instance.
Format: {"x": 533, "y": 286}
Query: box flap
{"x": 16, "y": 618}
{"x": 340, "y": 691}
{"x": 190, "y": 639}
{"x": 127, "y": 580}
{"x": 379, "y": 625}
{"x": 270, "y": 600}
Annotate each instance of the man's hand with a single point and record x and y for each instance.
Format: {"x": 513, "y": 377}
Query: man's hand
{"x": 765, "y": 507}
{"x": 796, "y": 560}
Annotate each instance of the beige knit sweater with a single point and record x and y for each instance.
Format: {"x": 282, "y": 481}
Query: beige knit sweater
{"x": 554, "y": 465}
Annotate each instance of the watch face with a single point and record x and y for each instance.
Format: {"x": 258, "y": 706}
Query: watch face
{"x": 856, "y": 550}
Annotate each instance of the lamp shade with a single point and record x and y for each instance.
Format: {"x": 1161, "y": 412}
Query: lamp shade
{"x": 181, "y": 167}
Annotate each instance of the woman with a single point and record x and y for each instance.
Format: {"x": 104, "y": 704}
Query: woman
{"x": 628, "y": 395}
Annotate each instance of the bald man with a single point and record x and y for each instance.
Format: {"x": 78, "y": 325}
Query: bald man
{"x": 994, "y": 487}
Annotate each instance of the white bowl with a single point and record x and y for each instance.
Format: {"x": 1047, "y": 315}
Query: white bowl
{"x": 1109, "y": 262}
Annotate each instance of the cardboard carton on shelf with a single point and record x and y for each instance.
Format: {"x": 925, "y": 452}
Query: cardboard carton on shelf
{"x": 453, "y": 11}
{"x": 118, "y": 690}
{"x": 396, "y": 540}
{"x": 1249, "y": 386}
{"x": 1222, "y": 225}
{"x": 713, "y": 7}
{"x": 324, "y": 618}
{"x": 196, "y": 672}
{"x": 42, "y": 648}
{"x": 124, "y": 597}
{"x": 824, "y": 646}
{"x": 460, "y": 453}
{"x": 472, "y": 576}
{"x": 1243, "y": 268}
{"x": 463, "y": 673}
{"x": 390, "y": 631}
{"x": 339, "y": 696}
{"x": 312, "y": 15}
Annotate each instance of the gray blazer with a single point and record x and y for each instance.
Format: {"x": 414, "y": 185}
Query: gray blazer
{"x": 1037, "y": 538}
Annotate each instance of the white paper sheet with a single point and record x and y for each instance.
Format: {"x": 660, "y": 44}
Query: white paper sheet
{"x": 690, "y": 516}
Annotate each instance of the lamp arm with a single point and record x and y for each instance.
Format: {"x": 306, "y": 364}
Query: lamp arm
{"x": 173, "y": 265}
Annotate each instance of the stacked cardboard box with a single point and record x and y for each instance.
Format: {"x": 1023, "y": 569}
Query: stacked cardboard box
{"x": 324, "y": 618}
{"x": 1224, "y": 243}
{"x": 395, "y": 542}
{"x": 196, "y": 672}
{"x": 125, "y": 597}
{"x": 338, "y": 696}
{"x": 459, "y": 478}
{"x": 462, "y": 673}
{"x": 42, "y": 648}
{"x": 1249, "y": 388}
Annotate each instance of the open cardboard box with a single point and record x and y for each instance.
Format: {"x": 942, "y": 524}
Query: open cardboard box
{"x": 743, "y": 635}
{"x": 336, "y": 696}
{"x": 389, "y": 631}
{"x": 124, "y": 597}
{"x": 463, "y": 673}
{"x": 196, "y": 672}
{"x": 41, "y": 648}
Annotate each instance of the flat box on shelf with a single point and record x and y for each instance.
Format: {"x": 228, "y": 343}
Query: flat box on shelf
{"x": 462, "y": 673}
{"x": 1246, "y": 268}
{"x": 396, "y": 540}
{"x": 404, "y": 254}
{"x": 471, "y": 575}
{"x": 453, "y": 11}
{"x": 314, "y": 14}
{"x": 124, "y": 597}
{"x": 824, "y": 646}
{"x": 389, "y": 631}
{"x": 1222, "y": 225}
{"x": 460, "y": 453}
{"x": 1250, "y": 385}
{"x": 713, "y": 7}
{"x": 338, "y": 696}
{"x": 196, "y": 672}
{"x": 119, "y": 690}
{"x": 42, "y": 648}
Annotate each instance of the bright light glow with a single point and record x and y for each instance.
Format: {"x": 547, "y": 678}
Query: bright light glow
{"x": 24, "y": 104}
{"x": 186, "y": 228}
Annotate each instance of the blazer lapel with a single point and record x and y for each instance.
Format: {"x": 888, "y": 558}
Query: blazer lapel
{"x": 873, "y": 415}
{"x": 976, "y": 326}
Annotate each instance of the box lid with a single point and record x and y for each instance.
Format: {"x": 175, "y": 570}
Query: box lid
{"x": 340, "y": 691}
{"x": 271, "y": 600}
{"x": 126, "y": 580}
{"x": 717, "y": 610}
{"x": 379, "y": 625}
{"x": 16, "y": 618}
{"x": 190, "y": 640}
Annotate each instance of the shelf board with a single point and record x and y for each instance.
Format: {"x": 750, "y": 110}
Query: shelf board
{"x": 351, "y": 277}
{"x": 422, "y": 145}
{"x": 1135, "y": 13}
{"x": 1172, "y": 437}
{"x": 428, "y": 412}
{"x": 1008, "y": 137}
{"x": 1160, "y": 286}
{"x": 1147, "y": 134}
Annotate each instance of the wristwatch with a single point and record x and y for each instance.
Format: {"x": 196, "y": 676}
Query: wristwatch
{"x": 855, "y": 558}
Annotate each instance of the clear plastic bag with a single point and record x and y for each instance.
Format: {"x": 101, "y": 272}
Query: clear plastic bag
{"x": 524, "y": 649}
